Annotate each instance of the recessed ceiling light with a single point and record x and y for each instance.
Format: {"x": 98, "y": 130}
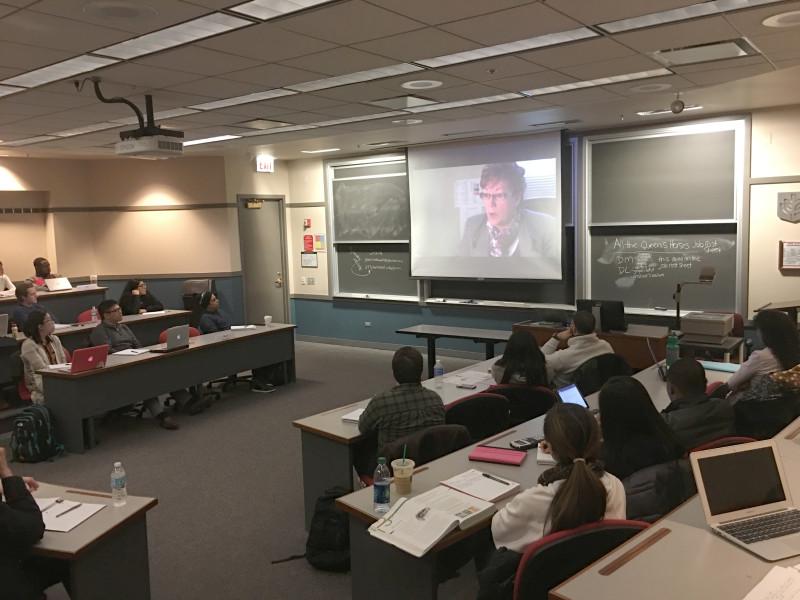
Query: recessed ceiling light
{"x": 321, "y": 151}
{"x": 649, "y": 88}
{"x": 61, "y": 70}
{"x": 666, "y": 111}
{"x": 787, "y": 19}
{"x": 407, "y": 121}
{"x": 421, "y": 84}
{"x": 216, "y": 138}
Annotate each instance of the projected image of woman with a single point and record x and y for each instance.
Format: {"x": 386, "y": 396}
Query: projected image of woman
{"x": 506, "y": 227}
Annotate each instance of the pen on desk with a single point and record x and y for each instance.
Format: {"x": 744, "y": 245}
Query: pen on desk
{"x": 493, "y": 478}
{"x": 71, "y": 508}
{"x": 421, "y": 514}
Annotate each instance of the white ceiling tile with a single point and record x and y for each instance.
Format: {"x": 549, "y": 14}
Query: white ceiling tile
{"x": 194, "y": 59}
{"x": 418, "y": 44}
{"x": 265, "y": 42}
{"x": 748, "y": 22}
{"x": 357, "y": 92}
{"x": 356, "y": 21}
{"x": 214, "y": 87}
{"x": 144, "y": 75}
{"x": 585, "y": 96}
{"x": 501, "y": 67}
{"x": 339, "y": 61}
{"x": 5, "y": 10}
{"x": 462, "y": 92}
{"x": 254, "y": 110}
{"x": 577, "y": 53}
{"x": 23, "y": 109}
{"x": 215, "y": 4}
{"x": 678, "y": 35}
{"x": 273, "y": 76}
{"x": 715, "y": 65}
{"x": 49, "y": 96}
{"x": 465, "y": 112}
{"x": 715, "y": 77}
{"x": 24, "y": 57}
{"x": 517, "y": 23}
{"x": 56, "y": 32}
{"x": 616, "y": 66}
{"x": 442, "y": 11}
{"x": 782, "y": 45}
{"x": 302, "y": 118}
{"x": 532, "y": 81}
{"x": 204, "y": 119}
{"x": 149, "y": 15}
{"x": 632, "y": 88}
{"x": 520, "y": 105}
{"x": 350, "y": 110}
{"x": 593, "y": 12}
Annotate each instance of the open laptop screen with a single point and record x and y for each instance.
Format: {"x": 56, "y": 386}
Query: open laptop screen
{"x": 572, "y": 395}
{"x": 741, "y": 480}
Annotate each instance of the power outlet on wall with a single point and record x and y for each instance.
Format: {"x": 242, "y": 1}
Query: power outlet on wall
{"x": 303, "y": 281}
{"x": 310, "y": 280}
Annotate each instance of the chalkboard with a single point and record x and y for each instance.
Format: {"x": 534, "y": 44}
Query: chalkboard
{"x": 371, "y": 209}
{"x": 643, "y": 270}
{"x": 380, "y": 269}
{"x": 668, "y": 178}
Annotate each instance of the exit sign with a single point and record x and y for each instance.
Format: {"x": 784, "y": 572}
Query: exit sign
{"x": 265, "y": 163}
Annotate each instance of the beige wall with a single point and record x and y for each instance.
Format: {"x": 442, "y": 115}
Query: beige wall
{"x": 23, "y": 239}
{"x": 775, "y": 152}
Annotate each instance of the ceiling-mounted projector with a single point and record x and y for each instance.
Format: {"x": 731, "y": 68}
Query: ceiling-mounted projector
{"x": 148, "y": 140}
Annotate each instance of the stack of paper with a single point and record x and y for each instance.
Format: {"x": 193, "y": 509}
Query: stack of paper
{"x": 781, "y": 583}
{"x": 353, "y": 416}
{"x": 65, "y": 515}
{"x": 485, "y": 486}
{"x": 468, "y": 378}
{"x": 543, "y": 458}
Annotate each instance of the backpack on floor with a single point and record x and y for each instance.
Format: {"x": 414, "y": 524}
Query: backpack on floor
{"x": 328, "y": 544}
{"x": 33, "y": 437}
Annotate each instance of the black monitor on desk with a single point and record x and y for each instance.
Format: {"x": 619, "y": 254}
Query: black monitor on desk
{"x": 609, "y": 314}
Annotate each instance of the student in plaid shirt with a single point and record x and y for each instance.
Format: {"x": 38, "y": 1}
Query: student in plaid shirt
{"x": 407, "y": 407}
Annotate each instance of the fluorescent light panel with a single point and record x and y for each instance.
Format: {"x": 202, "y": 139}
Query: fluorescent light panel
{"x": 460, "y": 103}
{"x": 209, "y": 140}
{"x": 540, "y": 41}
{"x": 357, "y": 77}
{"x": 31, "y": 140}
{"x": 692, "y": 11}
{"x": 321, "y": 151}
{"x": 575, "y": 85}
{"x": 177, "y": 35}
{"x": 246, "y": 99}
{"x": 268, "y": 9}
{"x": 61, "y": 70}
{"x": 278, "y": 130}
{"x": 7, "y": 90}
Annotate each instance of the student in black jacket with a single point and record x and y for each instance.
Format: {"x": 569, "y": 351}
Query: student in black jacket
{"x": 634, "y": 434}
{"x": 22, "y": 577}
{"x": 136, "y": 299}
{"x": 694, "y": 417}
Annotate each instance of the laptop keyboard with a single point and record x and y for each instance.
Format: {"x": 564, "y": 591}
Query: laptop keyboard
{"x": 763, "y": 528}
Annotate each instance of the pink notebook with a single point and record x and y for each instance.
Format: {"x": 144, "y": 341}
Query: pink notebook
{"x": 494, "y": 454}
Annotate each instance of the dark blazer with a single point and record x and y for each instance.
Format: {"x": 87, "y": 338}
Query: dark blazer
{"x": 131, "y": 304}
{"x": 21, "y": 526}
{"x": 539, "y": 236}
{"x": 699, "y": 419}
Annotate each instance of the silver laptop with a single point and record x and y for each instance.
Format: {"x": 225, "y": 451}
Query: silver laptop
{"x": 177, "y": 338}
{"x": 3, "y": 325}
{"x": 746, "y": 498}
{"x": 57, "y": 284}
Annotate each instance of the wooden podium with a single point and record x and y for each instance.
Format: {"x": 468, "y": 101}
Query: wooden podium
{"x": 630, "y": 345}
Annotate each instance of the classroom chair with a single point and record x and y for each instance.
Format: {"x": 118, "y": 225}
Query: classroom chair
{"x": 652, "y": 492}
{"x": 593, "y": 373}
{"x": 728, "y": 440}
{"x": 482, "y": 414}
{"x": 558, "y": 556}
{"x": 525, "y": 402}
{"x": 207, "y": 393}
{"x": 762, "y": 419}
{"x": 85, "y": 316}
{"x": 191, "y": 290}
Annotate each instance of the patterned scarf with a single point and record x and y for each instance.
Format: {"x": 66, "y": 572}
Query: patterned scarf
{"x": 501, "y": 239}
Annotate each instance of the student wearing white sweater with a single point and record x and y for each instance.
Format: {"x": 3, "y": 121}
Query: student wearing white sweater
{"x": 582, "y": 344}
{"x": 7, "y": 287}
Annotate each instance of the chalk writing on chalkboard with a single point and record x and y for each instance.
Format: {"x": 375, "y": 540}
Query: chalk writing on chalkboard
{"x": 365, "y": 264}
{"x": 636, "y": 258}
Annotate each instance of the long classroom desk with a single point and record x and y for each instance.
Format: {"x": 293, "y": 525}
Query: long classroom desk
{"x": 65, "y": 306}
{"x": 378, "y": 565}
{"x": 431, "y": 333}
{"x": 107, "y": 554}
{"x": 328, "y": 443}
{"x": 631, "y": 344}
{"x": 680, "y": 557}
{"x": 73, "y": 399}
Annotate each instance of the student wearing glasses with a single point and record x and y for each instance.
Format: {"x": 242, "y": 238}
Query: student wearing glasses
{"x": 39, "y": 350}
{"x": 506, "y": 228}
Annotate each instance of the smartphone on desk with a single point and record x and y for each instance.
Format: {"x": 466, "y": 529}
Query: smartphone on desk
{"x": 524, "y": 443}
{"x": 466, "y": 386}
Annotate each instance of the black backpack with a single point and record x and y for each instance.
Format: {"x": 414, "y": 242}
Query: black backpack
{"x": 328, "y": 544}
{"x": 33, "y": 438}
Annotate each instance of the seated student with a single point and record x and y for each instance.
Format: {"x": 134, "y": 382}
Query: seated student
{"x": 582, "y": 344}
{"x": 21, "y": 526}
{"x": 206, "y": 316}
{"x": 118, "y": 336}
{"x": 41, "y": 267}
{"x": 634, "y": 434}
{"x": 136, "y": 300}
{"x": 574, "y": 492}
{"x": 522, "y": 362}
{"x": 7, "y": 287}
{"x": 406, "y": 408}
{"x": 40, "y": 349}
{"x": 781, "y": 352}
{"x": 694, "y": 417}
{"x": 26, "y": 304}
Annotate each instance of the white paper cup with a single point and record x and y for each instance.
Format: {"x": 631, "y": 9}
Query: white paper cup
{"x": 402, "y": 469}
{"x": 93, "y": 279}
{"x": 267, "y": 320}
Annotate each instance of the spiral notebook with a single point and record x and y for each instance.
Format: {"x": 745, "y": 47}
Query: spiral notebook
{"x": 496, "y": 454}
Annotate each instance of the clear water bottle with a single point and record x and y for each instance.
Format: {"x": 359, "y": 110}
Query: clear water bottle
{"x": 673, "y": 348}
{"x": 380, "y": 486}
{"x": 14, "y": 331}
{"x": 438, "y": 371}
{"x": 94, "y": 315}
{"x": 119, "y": 485}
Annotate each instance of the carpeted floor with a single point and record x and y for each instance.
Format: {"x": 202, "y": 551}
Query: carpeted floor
{"x": 229, "y": 484}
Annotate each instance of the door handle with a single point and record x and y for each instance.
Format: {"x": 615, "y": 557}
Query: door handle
{"x": 278, "y": 280}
